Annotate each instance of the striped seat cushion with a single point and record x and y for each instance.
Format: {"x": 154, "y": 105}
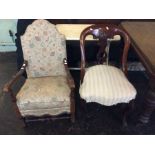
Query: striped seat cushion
{"x": 106, "y": 85}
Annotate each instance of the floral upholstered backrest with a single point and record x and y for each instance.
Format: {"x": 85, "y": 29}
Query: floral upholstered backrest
{"x": 44, "y": 48}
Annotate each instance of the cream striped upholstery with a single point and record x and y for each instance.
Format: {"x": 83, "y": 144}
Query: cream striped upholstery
{"x": 106, "y": 85}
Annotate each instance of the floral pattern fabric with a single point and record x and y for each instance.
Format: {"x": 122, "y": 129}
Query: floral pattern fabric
{"x": 44, "y": 48}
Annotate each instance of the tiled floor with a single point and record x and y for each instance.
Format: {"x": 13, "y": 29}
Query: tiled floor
{"x": 98, "y": 120}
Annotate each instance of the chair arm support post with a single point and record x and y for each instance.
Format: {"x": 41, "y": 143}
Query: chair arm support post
{"x": 69, "y": 77}
{"x": 8, "y": 86}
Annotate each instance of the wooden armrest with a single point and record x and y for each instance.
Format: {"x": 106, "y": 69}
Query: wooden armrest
{"x": 8, "y": 85}
{"x": 69, "y": 77}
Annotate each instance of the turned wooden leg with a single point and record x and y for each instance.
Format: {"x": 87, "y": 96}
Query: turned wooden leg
{"x": 72, "y": 107}
{"x": 83, "y": 106}
{"x": 149, "y": 106}
{"x": 73, "y": 113}
{"x": 18, "y": 114}
{"x": 73, "y": 118}
{"x": 125, "y": 113}
{"x": 24, "y": 123}
{"x": 127, "y": 108}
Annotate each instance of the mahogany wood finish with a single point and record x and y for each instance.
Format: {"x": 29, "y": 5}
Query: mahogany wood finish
{"x": 8, "y": 86}
{"x": 102, "y": 33}
{"x": 142, "y": 36}
{"x": 69, "y": 77}
{"x": 72, "y": 87}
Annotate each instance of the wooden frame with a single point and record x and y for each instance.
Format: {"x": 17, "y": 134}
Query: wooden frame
{"x": 31, "y": 32}
{"x": 8, "y": 89}
{"x": 102, "y": 33}
{"x": 72, "y": 87}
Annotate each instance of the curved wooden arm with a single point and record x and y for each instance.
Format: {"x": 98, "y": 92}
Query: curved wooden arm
{"x": 69, "y": 77}
{"x": 8, "y": 85}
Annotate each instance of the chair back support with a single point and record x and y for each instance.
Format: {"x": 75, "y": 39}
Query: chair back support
{"x": 44, "y": 48}
{"x": 102, "y": 33}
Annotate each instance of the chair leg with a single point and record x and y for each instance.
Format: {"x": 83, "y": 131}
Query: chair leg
{"x": 73, "y": 117}
{"x": 73, "y": 111}
{"x": 83, "y": 105}
{"x": 24, "y": 123}
{"x": 72, "y": 107}
{"x": 125, "y": 112}
{"x": 127, "y": 108}
{"x": 84, "y": 108}
{"x": 18, "y": 114}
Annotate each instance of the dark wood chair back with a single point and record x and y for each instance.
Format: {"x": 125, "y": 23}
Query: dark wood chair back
{"x": 102, "y": 33}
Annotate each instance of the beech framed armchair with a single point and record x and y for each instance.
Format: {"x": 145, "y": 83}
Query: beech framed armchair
{"x": 49, "y": 88}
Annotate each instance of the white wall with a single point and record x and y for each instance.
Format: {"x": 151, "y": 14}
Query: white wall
{"x": 6, "y": 41}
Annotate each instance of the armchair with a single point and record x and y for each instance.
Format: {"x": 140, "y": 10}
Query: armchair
{"x": 49, "y": 88}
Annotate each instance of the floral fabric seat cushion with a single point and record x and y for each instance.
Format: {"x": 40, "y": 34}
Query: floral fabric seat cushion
{"x": 44, "y": 95}
{"x": 106, "y": 85}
